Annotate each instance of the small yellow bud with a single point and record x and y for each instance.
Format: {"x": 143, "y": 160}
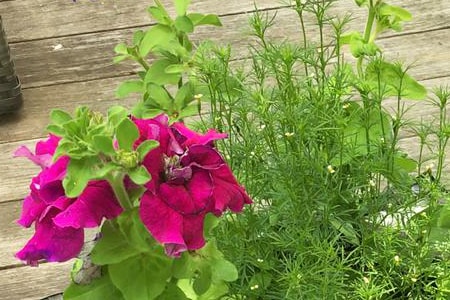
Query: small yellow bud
{"x": 330, "y": 169}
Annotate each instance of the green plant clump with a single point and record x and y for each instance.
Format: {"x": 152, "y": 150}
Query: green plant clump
{"x": 340, "y": 212}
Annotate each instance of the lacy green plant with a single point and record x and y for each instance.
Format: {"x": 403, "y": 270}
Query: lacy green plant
{"x": 152, "y": 187}
{"x": 341, "y": 212}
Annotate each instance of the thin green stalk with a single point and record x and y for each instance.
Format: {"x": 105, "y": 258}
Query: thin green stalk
{"x": 367, "y": 33}
{"x": 116, "y": 182}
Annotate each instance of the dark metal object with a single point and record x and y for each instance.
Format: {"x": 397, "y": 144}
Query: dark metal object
{"x": 10, "y": 88}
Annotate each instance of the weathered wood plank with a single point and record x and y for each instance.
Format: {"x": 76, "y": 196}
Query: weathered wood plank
{"x": 55, "y": 18}
{"x": 30, "y": 122}
{"x": 28, "y": 283}
{"x": 89, "y": 56}
{"x": 99, "y": 93}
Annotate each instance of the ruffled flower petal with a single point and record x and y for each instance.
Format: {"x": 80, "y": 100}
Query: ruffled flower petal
{"x": 187, "y": 137}
{"x": 52, "y": 243}
{"x": 164, "y": 223}
{"x": 96, "y": 202}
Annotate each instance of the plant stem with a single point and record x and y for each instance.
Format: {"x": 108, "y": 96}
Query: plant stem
{"x": 367, "y": 33}
{"x": 116, "y": 182}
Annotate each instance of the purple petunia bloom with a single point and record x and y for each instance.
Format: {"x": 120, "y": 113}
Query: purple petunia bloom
{"x": 189, "y": 180}
{"x": 59, "y": 220}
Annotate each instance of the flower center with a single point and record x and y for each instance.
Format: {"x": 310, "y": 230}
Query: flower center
{"x": 175, "y": 173}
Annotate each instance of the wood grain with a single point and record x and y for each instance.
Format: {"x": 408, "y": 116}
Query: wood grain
{"x": 89, "y": 56}
{"x": 56, "y": 18}
{"x": 27, "y": 283}
{"x": 430, "y": 59}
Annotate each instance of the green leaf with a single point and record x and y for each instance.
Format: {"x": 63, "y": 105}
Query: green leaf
{"x": 145, "y": 147}
{"x": 116, "y": 114}
{"x": 78, "y": 175}
{"x": 56, "y": 130}
{"x": 135, "y": 232}
{"x": 224, "y": 270}
{"x": 395, "y": 11}
{"x": 121, "y": 48}
{"x": 137, "y": 37}
{"x": 59, "y": 117}
{"x": 100, "y": 288}
{"x": 119, "y": 58}
{"x": 346, "y": 229}
{"x": 360, "y": 2}
{"x": 405, "y": 163}
{"x": 113, "y": 246}
{"x": 172, "y": 292}
{"x": 104, "y": 144}
{"x": 103, "y": 171}
{"x": 188, "y": 111}
{"x": 157, "y": 36}
{"x": 159, "y": 95}
{"x": 216, "y": 291}
{"x": 203, "y": 281}
{"x": 126, "y": 134}
{"x": 184, "y": 96}
{"x": 175, "y": 69}
{"x": 183, "y": 267}
{"x": 142, "y": 276}
{"x": 201, "y": 19}
{"x": 181, "y": 6}
{"x": 128, "y": 87}
{"x": 392, "y": 80}
{"x": 184, "y": 24}
{"x": 159, "y": 14}
{"x": 210, "y": 222}
{"x": 157, "y": 73}
{"x": 139, "y": 175}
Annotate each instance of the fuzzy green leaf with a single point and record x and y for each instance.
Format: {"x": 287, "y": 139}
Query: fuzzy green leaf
{"x": 156, "y": 73}
{"x": 104, "y": 144}
{"x": 184, "y": 24}
{"x": 128, "y": 87}
{"x": 142, "y": 276}
{"x": 172, "y": 292}
{"x": 159, "y": 95}
{"x": 181, "y": 6}
{"x": 78, "y": 175}
{"x": 56, "y": 130}
{"x": 203, "y": 281}
{"x": 145, "y": 147}
{"x": 59, "y": 117}
{"x": 113, "y": 246}
{"x": 159, "y": 14}
{"x": 121, "y": 48}
{"x": 201, "y": 19}
{"x": 189, "y": 111}
{"x": 184, "y": 96}
{"x": 139, "y": 175}
{"x": 175, "y": 69}
{"x": 157, "y": 36}
{"x": 116, "y": 114}
{"x": 392, "y": 80}
{"x": 100, "y": 288}
{"x": 126, "y": 134}
{"x": 137, "y": 37}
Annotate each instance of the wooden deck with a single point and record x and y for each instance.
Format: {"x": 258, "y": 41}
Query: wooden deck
{"x": 80, "y": 71}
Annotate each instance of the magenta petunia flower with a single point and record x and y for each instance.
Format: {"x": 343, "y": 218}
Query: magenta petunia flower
{"x": 189, "y": 180}
{"x": 60, "y": 221}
